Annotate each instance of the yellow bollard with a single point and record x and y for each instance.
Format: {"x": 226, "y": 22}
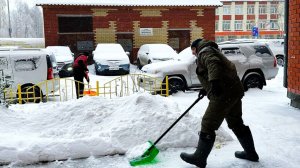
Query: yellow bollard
{"x": 97, "y": 88}
{"x": 167, "y": 86}
{"x": 19, "y": 94}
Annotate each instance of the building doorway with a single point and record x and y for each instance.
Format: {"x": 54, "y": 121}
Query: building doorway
{"x": 125, "y": 39}
{"x": 179, "y": 39}
{"x": 76, "y": 32}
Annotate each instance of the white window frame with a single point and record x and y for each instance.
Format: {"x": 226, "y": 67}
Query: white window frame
{"x": 274, "y": 25}
{"x": 262, "y": 9}
{"x": 238, "y": 25}
{"x": 226, "y": 25}
{"x": 274, "y": 9}
{"x": 226, "y": 10}
{"x": 250, "y": 9}
{"x": 262, "y": 24}
{"x": 249, "y": 24}
{"x": 217, "y": 25}
{"x": 238, "y": 9}
{"x": 217, "y": 11}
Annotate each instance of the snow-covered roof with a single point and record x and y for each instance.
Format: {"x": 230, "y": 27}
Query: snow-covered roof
{"x": 131, "y": 2}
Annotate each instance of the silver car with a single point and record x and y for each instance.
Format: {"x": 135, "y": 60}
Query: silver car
{"x": 254, "y": 62}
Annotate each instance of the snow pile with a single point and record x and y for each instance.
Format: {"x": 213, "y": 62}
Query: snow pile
{"x": 93, "y": 126}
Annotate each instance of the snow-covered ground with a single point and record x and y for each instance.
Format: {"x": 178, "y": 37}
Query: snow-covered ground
{"x": 92, "y": 127}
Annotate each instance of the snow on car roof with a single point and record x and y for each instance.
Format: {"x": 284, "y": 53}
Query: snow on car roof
{"x": 131, "y": 2}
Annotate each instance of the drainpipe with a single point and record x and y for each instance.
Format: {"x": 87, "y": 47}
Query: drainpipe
{"x": 286, "y": 38}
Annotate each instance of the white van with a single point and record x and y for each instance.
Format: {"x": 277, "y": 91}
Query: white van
{"x": 28, "y": 67}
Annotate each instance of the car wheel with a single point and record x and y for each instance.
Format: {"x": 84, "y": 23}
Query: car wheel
{"x": 28, "y": 92}
{"x": 175, "y": 85}
{"x": 280, "y": 61}
{"x": 138, "y": 63}
{"x": 253, "y": 81}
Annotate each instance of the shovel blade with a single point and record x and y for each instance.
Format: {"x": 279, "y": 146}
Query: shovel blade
{"x": 147, "y": 157}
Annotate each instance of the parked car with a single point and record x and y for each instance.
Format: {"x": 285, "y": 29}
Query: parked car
{"x": 151, "y": 53}
{"x": 111, "y": 59}
{"x": 276, "y": 46}
{"x": 62, "y": 54}
{"x": 29, "y": 67}
{"x": 254, "y": 62}
{"x": 66, "y": 71}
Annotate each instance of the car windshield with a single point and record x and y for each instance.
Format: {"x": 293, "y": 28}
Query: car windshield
{"x": 60, "y": 51}
{"x": 161, "y": 49}
{"x": 109, "y": 48}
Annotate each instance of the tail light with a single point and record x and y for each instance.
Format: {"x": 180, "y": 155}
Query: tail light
{"x": 275, "y": 62}
{"x": 50, "y": 74}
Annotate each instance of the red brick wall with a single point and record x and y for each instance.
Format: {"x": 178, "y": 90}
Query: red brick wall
{"x": 51, "y": 22}
{"x": 177, "y": 17}
{"x": 294, "y": 48}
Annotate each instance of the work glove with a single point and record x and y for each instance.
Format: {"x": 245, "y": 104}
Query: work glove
{"x": 202, "y": 93}
{"x": 216, "y": 88}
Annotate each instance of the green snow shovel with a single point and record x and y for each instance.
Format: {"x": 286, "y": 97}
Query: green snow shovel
{"x": 152, "y": 151}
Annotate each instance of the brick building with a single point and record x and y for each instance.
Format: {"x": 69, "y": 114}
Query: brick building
{"x": 82, "y": 24}
{"x": 293, "y": 66}
{"x": 236, "y": 18}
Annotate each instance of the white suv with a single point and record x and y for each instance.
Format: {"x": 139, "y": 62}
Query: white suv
{"x": 254, "y": 62}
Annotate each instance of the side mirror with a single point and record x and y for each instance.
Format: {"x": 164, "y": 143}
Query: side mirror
{"x": 147, "y": 53}
{"x": 127, "y": 53}
{"x": 72, "y": 54}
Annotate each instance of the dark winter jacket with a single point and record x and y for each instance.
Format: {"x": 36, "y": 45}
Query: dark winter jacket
{"x": 212, "y": 65}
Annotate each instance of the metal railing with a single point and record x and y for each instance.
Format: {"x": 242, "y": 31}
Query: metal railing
{"x": 63, "y": 89}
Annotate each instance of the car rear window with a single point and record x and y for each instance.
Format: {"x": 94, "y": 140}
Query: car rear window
{"x": 262, "y": 51}
{"x": 232, "y": 51}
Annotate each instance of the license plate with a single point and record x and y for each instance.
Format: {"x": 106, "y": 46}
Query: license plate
{"x": 113, "y": 68}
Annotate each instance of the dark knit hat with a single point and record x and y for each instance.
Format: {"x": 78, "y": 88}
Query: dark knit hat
{"x": 195, "y": 43}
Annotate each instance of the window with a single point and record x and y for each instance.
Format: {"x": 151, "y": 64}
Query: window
{"x": 232, "y": 37}
{"x": 274, "y": 24}
{"x": 226, "y": 10}
{"x": 262, "y": 9}
{"x": 217, "y": 11}
{"x": 29, "y": 64}
{"x": 226, "y": 25}
{"x": 262, "y": 51}
{"x": 231, "y": 51}
{"x": 249, "y": 24}
{"x": 217, "y": 25}
{"x": 239, "y": 9}
{"x": 262, "y": 24}
{"x": 250, "y": 9}
{"x": 269, "y": 36}
{"x": 238, "y": 25}
{"x": 220, "y": 38}
{"x": 75, "y": 24}
{"x": 273, "y": 9}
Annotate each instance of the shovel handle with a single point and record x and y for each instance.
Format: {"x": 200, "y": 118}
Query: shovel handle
{"x": 183, "y": 114}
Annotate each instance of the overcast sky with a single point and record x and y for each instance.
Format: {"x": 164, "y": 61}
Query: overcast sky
{"x": 29, "y": 2}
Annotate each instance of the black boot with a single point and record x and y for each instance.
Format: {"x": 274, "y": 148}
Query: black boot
{"x": 199, "y": 157}
{"x": 246, "y": 140}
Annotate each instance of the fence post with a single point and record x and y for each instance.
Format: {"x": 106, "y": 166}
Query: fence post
{"x": 19, "y": 94}
{"x": 97, "y": 88}
{"x": 167, "y": 86}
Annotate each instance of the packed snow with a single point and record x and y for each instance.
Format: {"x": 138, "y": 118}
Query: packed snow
{"x": 102, "y": 130}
